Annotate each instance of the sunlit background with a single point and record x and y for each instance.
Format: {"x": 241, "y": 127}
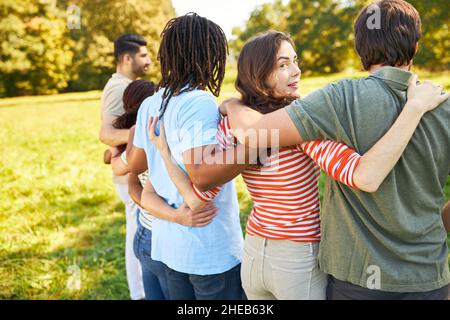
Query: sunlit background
{"x": 62, "y": 226}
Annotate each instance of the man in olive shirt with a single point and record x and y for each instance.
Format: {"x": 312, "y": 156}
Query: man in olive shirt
{"x": 389, "y": 244}
{"x": 130, "y": 53}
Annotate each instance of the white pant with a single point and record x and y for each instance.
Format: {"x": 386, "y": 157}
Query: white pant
{"x": 282, "y": 270}
{"x": 132, "y": 265}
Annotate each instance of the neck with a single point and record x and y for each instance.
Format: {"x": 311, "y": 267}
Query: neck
{"x": 375, "y": 67}
{"x": 125, "y": 72}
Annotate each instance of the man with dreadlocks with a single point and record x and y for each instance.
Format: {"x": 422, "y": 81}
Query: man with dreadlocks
{"x": 202, "y": 262}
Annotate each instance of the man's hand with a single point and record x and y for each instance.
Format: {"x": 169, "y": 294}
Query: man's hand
{"x": 107, "y": 156}
{"x": 201, "y": 218}
{"x": 425, "y": 96}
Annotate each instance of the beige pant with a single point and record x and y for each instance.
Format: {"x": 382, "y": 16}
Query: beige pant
{"x": 281, "y": 269}
{"x": 132, "y": 264}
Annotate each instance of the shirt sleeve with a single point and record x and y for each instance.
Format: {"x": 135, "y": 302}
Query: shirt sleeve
{"x": 336, "y": 159}
{"x": 113, "y": 100}
{"x": 321, "y": 115}
{"x": 206, "y": 196}
{"x": 197, "y": 122}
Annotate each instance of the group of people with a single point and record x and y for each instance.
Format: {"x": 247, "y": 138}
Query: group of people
{"x": 383, "y": 141}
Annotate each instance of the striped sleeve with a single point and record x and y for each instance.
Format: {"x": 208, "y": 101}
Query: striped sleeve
{"x": 206, "y": 196}
{"x": 336, "y": 159}
{"x": 225, "y": 135}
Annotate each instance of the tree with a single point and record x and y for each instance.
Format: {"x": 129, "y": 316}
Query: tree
{"x": 322, "y": 31}
{"x": 434, "y": 46}
{"x": 104, "y": 20}
{"x": 41, "y": 55}
{"x": 35, "y": 51}
{"x": 269, "y": 16}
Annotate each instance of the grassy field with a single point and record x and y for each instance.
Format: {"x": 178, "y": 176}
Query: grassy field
{"x": 59, "y": 214}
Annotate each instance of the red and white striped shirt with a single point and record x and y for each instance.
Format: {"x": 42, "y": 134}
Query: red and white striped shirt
{"x": 284, "y": 189}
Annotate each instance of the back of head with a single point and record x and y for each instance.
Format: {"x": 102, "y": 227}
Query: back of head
{"x": 133, "y": 96}
{"x": 387, "y": 33}
{"x": 257, "y": 60}
{"x": 127, "y": 43}
{"x": 192, "y": 54}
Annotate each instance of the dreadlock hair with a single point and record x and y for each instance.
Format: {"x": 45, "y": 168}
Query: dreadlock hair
{"x": 135, "y": 93}
{"x": 192, "y": 54}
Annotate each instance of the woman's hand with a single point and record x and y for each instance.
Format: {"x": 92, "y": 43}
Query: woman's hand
{"x": 160, "y": 142}
{"x": 200, "y": 218}
{"x": 425, "y": 96}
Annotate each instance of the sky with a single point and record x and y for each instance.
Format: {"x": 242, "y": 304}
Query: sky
{"x": 226, "y": 13}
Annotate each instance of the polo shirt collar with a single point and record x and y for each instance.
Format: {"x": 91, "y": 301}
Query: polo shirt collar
{"x": 393, "y": 77}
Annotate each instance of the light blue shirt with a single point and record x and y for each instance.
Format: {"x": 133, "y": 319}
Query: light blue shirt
{"x": 190, "y": 121}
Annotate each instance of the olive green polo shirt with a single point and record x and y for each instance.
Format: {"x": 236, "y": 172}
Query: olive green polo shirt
{"x": 396, "y": 233}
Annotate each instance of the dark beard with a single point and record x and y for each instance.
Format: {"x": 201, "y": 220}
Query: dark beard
{"x": 138, "y": 71}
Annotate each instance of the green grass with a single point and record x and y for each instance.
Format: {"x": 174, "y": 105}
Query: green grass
{"x": 58, "y": 206}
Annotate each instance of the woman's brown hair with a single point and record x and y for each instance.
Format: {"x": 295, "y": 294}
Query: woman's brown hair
{"x": 135, "y": 93}
{"x": 256, "y": 62}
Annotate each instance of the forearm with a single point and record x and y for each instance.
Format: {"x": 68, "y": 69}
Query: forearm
{"x": 242, "y": 119}
{"x": 446, "y": 216}
{"x": 376, "y": 163}
{"x": 256, "y": 130}
{"x": 182, "y": 182}
{"x": 154, "y": 204}
{"x": 113, "y": 137}
{"x": 137, "y": 161}
{"x": 220, "y": 167}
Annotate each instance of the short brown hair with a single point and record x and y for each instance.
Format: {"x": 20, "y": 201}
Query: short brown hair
{"x": 394, "y": 43}
{"x": 256, "y": 62}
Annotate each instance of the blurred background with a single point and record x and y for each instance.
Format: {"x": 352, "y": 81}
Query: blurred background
{"x": 62, "y": 227}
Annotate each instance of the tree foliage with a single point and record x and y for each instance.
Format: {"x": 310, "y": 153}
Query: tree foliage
{"x": 104, "y": 20}
{"x": 35, "y": 51}
{"x": 323, "y": 32}
{"x": 40, "y": 55}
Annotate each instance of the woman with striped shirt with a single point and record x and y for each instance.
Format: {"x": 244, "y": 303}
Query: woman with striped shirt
{"x": 283, "y": 229}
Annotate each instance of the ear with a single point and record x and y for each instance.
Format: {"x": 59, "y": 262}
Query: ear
{"x": 126, "y": 58}
{"x": 417, "y": 47}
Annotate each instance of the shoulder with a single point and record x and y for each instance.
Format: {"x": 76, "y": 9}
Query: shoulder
{"x": 199, "y": 98}
{"x": 197, "y": 103}
{"x": 115, "y": 84}
{"x": 442, "y": 111}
